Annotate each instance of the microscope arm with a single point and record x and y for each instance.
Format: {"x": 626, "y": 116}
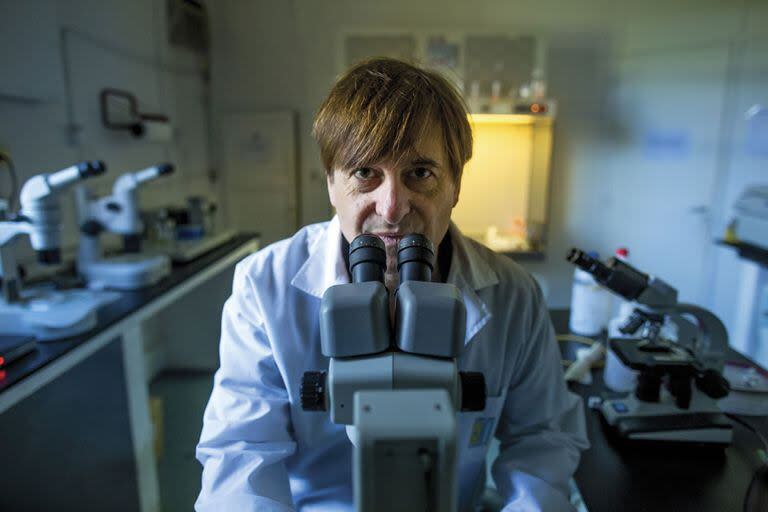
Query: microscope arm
{"x": 119, "y": 212}
{"x": 40, "y": 206}
{"x": 710, "y": 341}
{"x": 9, "y": 230}
{"x": 9, "y": 274}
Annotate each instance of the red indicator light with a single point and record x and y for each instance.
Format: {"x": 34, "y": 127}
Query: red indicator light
{"x": 2, "y": 361}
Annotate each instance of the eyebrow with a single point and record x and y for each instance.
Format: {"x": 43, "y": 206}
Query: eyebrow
{"x": 425, "y": 161}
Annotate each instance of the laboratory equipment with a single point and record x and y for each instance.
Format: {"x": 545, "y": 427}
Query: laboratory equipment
{"x": 185, "y": 233}
{"x": 118, "y": 213}
{"x": 590, "y": 304}
{"x": 749, "y": 389}
{"x": 43, "y": 311}
{"x": 397, "y": 388}
{"x": 752, "y": 216}
{"x": 679, "y": 382}
{"x": 748, "y": 233}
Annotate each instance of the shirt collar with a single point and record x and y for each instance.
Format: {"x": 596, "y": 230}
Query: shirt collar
{"x": 470, "y": 271}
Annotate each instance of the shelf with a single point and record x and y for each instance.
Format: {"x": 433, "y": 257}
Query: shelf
{"x": 748, "y": 251}
{"x": 509, "y": 118}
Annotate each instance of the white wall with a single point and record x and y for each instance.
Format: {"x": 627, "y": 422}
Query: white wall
{"x": 278, "y": 56}
{"x": 284, "y": 55}
{"x": 104, "y": 43}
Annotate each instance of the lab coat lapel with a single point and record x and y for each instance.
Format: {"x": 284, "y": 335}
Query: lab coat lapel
{"x": 325, "y": 260}
{"x": 470, "y": 273}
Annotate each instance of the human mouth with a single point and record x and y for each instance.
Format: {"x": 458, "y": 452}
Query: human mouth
{"x": 390, "y": 239}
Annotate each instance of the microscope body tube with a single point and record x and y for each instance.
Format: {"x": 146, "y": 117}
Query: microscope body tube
{"x": 625, "y": 280}
{"x": 41, "y": 207}
{"x": 430, "y": 317}
{"x": 119, "y": 212}
{"x": 354, "y": 318}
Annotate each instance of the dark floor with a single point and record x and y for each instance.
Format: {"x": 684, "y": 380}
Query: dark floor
{"x": 184, "y": 396}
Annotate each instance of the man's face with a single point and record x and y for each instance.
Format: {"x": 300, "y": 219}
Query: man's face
{"x": 393, "y": 199}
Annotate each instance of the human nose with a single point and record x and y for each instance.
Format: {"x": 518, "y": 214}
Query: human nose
{"x": 393, "y": 202}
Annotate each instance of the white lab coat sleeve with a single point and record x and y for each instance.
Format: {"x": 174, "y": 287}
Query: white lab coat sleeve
{"x": 246, "y": 426}
{"x": 541, "y": 429}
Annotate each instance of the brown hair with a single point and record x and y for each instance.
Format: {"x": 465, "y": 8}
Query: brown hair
{"x": 381, "y": 107}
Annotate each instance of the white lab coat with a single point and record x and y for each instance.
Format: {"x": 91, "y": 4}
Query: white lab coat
{"x": 261, "y": 451}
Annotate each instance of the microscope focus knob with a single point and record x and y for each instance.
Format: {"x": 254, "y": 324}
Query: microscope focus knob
{"x": 472, "y": 391}
{"x": 713, "y": 384}
{"x": 313, "y": 391}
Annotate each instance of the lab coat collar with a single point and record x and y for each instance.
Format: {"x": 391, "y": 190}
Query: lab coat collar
{"x": 325, "y": 265}
{"x": 469, "y": 272}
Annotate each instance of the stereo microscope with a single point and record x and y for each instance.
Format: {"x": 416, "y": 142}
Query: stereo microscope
{"x": 118, "y": 213}
{"x": 397, "y": 387}
{"x": 41, "y": 311}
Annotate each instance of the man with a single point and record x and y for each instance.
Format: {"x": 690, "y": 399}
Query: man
{"x": 394, "y": 140}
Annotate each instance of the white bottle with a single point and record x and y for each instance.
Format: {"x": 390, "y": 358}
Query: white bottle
{"x": 590, "y": 304}
{"x": 616, "y": 375}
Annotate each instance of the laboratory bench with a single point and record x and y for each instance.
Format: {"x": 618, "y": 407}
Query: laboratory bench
{"x": 75, "y": 422}
{"x": 615, "y": 475}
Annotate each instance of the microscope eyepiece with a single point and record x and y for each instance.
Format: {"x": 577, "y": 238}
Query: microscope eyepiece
{"x": 415, "y": 258}
{"x": 367, "y": 259}
{"x": 164, "y": 169}
{"x": 589, "y": 263}
{"x": 617, "y": 276}
{"x": 580, "y": 258}
{"x": 91, "y": 168}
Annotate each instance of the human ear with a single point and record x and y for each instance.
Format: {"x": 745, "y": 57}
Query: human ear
{"x": 456, "y": 190}
{"x": 331, "y": 184}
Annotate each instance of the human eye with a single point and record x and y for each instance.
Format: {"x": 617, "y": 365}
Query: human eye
{"x": 421, "y": 173}
{"x": 363, "y": 173}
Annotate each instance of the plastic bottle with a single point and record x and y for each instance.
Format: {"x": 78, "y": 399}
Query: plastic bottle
{"x": 590, "y": 304}
{"x": 616, "y": 375}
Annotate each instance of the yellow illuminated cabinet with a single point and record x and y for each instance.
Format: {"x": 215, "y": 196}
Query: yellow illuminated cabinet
{"x": 505, "y": 188}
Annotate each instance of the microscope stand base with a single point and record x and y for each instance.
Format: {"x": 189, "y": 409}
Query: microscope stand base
{"x": 53, "y": 314}
{"x": 633, "y": 420}
{"x": 125, "y": 272}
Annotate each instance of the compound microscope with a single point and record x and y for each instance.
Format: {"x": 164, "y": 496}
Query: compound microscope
{"x": 679, "y": 382}
{"x": 118, "y": 213}
{"x": 396, "y": 388}
{"x": 42, "y": 311}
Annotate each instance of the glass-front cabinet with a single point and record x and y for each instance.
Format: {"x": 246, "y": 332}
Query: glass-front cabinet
{"x": 504, "y": 199}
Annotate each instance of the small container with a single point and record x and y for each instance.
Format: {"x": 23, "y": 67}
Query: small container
{"x": 590, "y": 304}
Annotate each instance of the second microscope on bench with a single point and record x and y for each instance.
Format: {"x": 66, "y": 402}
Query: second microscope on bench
{"x": 118, "y": 213}
{"x": 679, "y": 381}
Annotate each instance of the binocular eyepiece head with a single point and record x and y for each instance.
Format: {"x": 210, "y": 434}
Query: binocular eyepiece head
{"x": 368, "y": 258}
